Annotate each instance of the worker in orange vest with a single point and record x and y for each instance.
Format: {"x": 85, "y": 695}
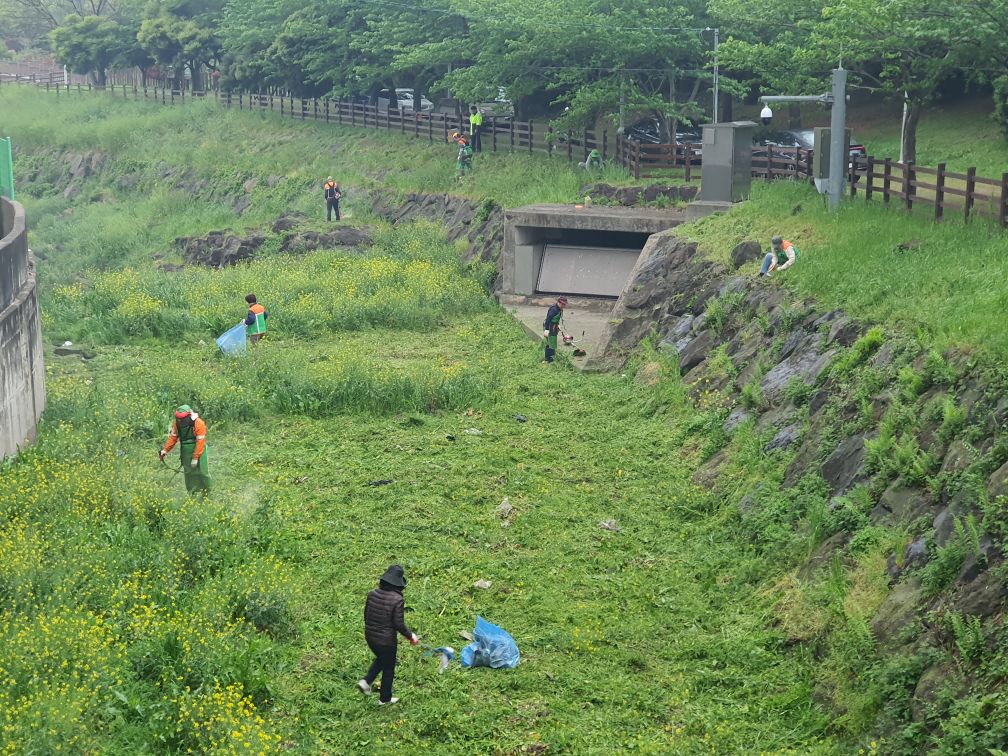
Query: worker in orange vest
{"x": 255, "y": 320}
{"x": 332, "y": 197}
{"x": 189, "y": 431}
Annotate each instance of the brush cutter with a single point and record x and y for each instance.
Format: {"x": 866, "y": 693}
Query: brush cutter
{"x": 173, "y": 471}
{"x": 568, "y": 340}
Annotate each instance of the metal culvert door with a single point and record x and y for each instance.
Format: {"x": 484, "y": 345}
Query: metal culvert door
{"x": 591, "y": 271}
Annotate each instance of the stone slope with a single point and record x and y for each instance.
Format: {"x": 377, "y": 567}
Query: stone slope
{"x": 916, "y": 440}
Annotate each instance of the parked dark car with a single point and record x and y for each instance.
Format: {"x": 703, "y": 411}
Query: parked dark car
{"x": 804, "y": 138}
{"x": 648, "y": 131}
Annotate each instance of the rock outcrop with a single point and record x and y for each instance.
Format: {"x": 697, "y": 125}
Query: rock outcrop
{"x": 778, "y": 364}
{"x": 480, "y": 223}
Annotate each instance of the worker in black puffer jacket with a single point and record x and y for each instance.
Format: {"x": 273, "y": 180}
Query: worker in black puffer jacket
{"x": 383, "y": 619}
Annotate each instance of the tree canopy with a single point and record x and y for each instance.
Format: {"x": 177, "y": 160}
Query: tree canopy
{"x": 579, "y": 65}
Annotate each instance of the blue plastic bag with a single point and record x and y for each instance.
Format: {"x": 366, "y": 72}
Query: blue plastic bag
{"x": 492, "y": 646}
{"x": 232, "y": 342}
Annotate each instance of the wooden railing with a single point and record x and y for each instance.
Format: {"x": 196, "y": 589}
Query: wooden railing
{"x": 911, "y": 186}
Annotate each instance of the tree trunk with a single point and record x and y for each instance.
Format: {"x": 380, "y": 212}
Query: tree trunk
{"x": 794, "y": 115}
{"x": 101, "y": 78}
{"x": 912, "y": 118}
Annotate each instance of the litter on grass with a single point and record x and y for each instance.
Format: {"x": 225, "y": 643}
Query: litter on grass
{"x": 492, "y": 647}
{"x": 446, "y": 653}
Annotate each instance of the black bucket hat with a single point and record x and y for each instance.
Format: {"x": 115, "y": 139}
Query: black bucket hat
{"x": 394, "y": 576}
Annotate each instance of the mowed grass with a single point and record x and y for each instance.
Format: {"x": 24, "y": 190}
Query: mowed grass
{"x": 949, "y": 286}
{"x": 654, "y": 637}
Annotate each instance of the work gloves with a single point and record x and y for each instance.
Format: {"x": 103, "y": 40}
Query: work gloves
{"x": 545, "y": 334}
{"x": 194, "y": 462}
{"x": 162, "y": 454}
{"x": 413, "y": 639}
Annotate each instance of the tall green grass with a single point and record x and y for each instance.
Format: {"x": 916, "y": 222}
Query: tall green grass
{"x": 410, "y": 279}
{"x": 207, "y": 139}
{"x": 952, "y": 287}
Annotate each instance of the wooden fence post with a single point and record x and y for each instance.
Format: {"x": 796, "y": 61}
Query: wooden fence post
{"x": 939, "y": 191}
{"x": 852, "y": 167}
{"x": 870, "y": 177}
{"x": 1004, "y": 200}
{"x": 605, "y": 144}
{"x": 430, "y": 129}
{"x": 512, "y": 135}
{"x": 886, "y": 179}
{"x": 970, "y": 189}
{"x": 769, "y": 162}
{"x": 584, "y": 145}
{"x": 808, "y": 166}
{"x": 688, "y": 164}
{"x": 493, "y": 134}
{"x": 353, "y": 113}
{"x": 908, "y": 184}
{"x": 530, "y": 136}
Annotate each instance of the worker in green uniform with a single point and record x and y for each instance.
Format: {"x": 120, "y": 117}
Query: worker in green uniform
{"x": 551, "y": 326}
{"x": 189, "y": 431}
{"x": 255, "y": 319}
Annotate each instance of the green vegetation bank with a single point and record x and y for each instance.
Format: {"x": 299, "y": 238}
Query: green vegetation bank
{"x": 134, "y": 619}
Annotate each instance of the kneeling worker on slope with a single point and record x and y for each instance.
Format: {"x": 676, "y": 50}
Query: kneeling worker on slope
{"x": 189, "y": 431}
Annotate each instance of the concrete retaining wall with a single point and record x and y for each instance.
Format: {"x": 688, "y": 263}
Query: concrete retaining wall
{"x": 22, "y": 388}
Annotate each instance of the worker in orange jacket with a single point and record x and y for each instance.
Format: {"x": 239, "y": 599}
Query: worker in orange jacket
{"x": 189, "y": 431}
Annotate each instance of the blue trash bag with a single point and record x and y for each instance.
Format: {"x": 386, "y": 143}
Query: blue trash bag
{"x": 232, "y": 342}
{"x": 492, "y": 647}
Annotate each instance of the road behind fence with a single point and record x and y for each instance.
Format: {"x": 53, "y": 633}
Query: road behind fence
{"x": 946, "y": 193}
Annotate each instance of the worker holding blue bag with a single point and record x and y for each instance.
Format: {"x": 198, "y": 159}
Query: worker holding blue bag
{"x": 255, "y": 320}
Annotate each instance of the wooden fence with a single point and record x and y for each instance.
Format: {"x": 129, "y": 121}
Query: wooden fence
{"x": 908, "y": 185}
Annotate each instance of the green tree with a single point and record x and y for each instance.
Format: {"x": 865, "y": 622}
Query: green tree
{"x": 91, "y": 44}
{"x": 593, "y": 60}
{"x": 180, "y": 43}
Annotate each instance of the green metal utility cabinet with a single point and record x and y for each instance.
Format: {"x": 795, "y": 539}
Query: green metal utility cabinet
{"x": 727, "y": 161}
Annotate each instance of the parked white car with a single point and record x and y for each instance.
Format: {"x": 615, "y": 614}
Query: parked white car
{"x": 404, "y": 100}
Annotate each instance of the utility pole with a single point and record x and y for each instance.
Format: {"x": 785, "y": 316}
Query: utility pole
{"x": 715, "y": 89}
{"x": 717, "y": 32}
{"x": 837, "y": 100}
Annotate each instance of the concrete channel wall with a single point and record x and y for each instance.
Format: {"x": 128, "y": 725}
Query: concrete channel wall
{"x": 22, "y": 387}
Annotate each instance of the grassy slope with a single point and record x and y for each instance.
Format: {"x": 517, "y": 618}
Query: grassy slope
{"x": 952, "y": 289}
{"x": 679, "y": 564}
{"x": 654, "y": 637}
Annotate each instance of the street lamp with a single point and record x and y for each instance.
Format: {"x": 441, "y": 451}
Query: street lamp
{"x": 837, "y": 100}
